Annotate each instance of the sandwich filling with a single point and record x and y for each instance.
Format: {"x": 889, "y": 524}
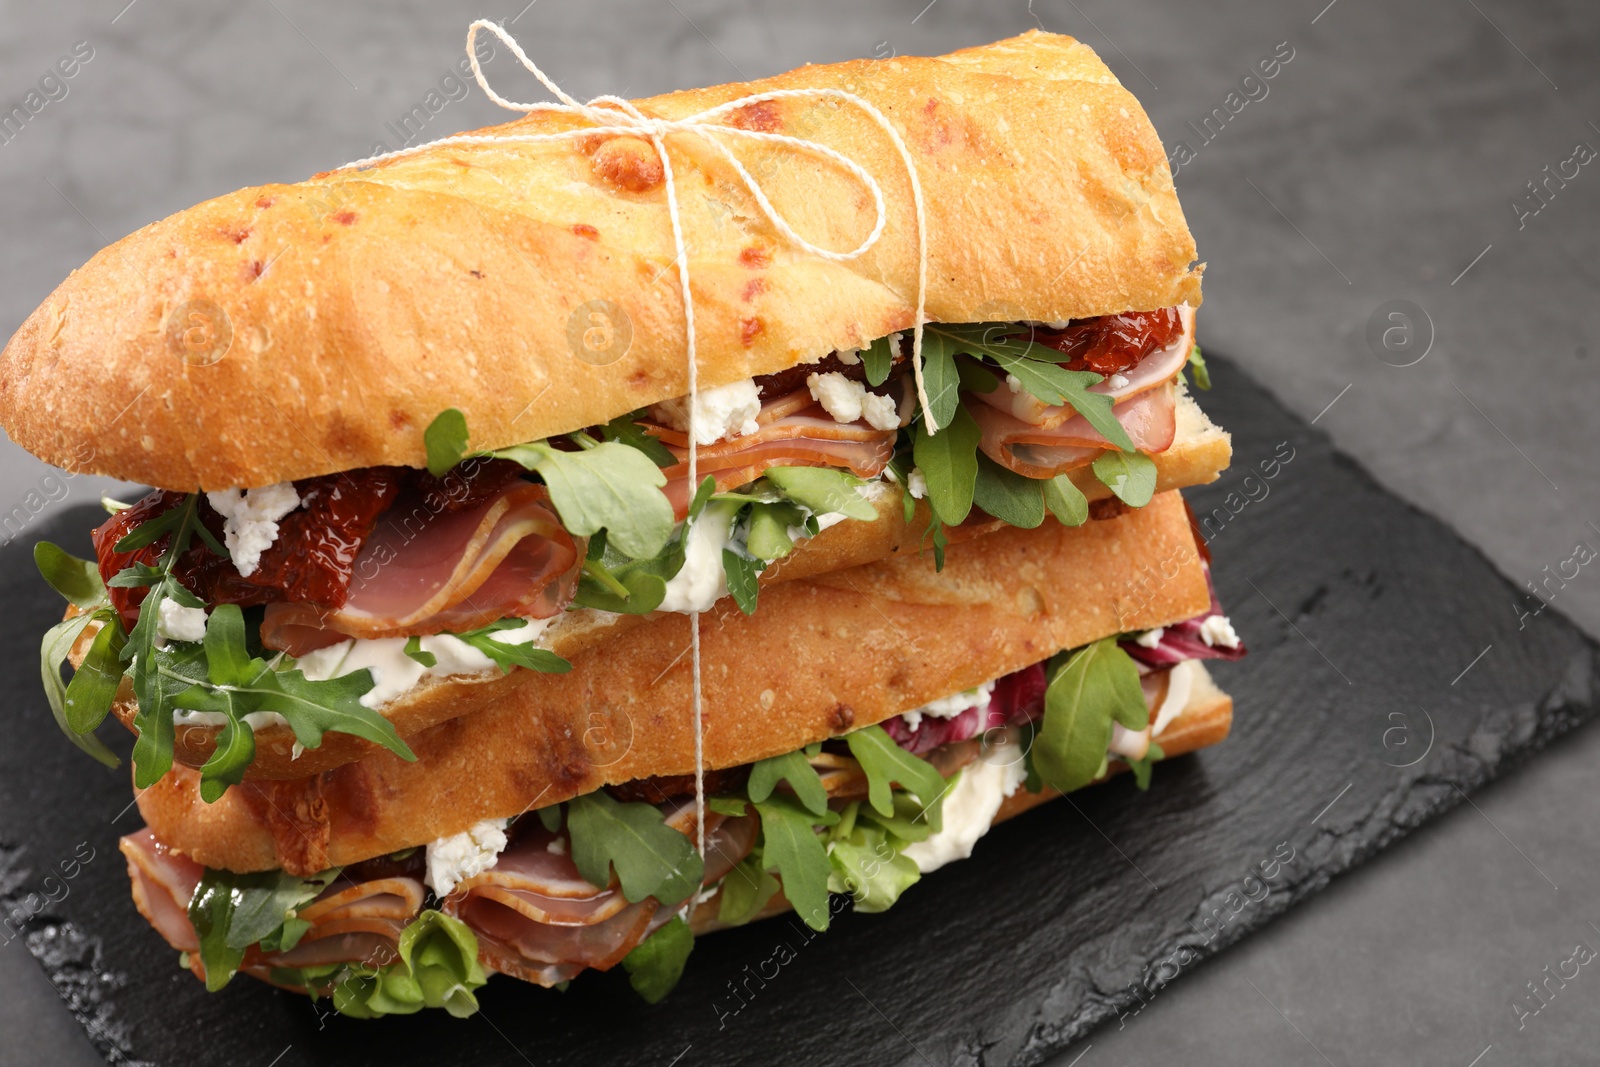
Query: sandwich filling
{"x": 292, "y": 605}
{"x": 612, "y": 877}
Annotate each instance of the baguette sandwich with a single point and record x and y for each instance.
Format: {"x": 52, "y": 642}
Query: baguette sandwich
{"x": 543, "y": 490}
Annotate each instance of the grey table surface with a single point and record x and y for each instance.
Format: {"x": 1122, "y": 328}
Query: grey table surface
{"x": 1386, "y": 161}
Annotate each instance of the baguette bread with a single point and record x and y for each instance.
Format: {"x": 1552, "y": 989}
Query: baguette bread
{"x": 823, "y": 656}
{"x": 1204, "y": 721}
{"x": 1198, "y": 453}
{"x": 285, "y": 331}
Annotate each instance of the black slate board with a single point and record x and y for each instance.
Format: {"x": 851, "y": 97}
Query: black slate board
{"x": 1361, "y": 614}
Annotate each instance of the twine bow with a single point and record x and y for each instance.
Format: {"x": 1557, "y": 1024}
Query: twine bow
{"x": 614, "y": 115}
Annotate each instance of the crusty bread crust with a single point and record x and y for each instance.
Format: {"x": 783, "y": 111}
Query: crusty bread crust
{"x": 1200, "y": 451}
{"x": 1204, "y": 721}
{"x": 358, "y": 305}
{"x": 822, "y": 656}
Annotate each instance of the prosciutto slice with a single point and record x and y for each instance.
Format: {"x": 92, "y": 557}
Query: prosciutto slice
{"x": 536, "y": 917}
{"x": 795, "y": 431}
{"x": 422, "y": 573}
{"x": 353, "y": 920}
{"x": 1043, "y": 452}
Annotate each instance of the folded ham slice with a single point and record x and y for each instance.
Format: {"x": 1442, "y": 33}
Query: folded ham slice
{"x": 536, "y": 917}
{"x": 795, "y": 431}
{"x": 1043, "y": 452}
{"x": 427, "y": 572}
{"x": 163, "y": 882}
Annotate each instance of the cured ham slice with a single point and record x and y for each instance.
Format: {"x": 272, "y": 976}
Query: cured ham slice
{"x": 353, "y": 921}
{"x": 536, "y": 917}
{"x": 506, "y": 557}
{"x": 1154, "y": 369}
{"x": 163, "y": 882}
{"x": 795, "y": 431}
{"x": 1039, "y": 452}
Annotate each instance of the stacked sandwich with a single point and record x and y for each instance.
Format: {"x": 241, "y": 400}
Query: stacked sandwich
{"x": 470, "y": 633}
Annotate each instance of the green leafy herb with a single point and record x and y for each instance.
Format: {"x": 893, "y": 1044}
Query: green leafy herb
{"x": 949, "y": 463}
{"x": 94, "y": 685}
{"x": 878, "y": 359}
{"x": 613, "y": 581}
{"x": 868, "y": 865}
{"x": 232, "y": 911}
{"x": 506, "y": 655}
{"x": 1130, "y": 475}
{"x": 53, "y": 653}
{"x": 438, "y": 968}
{"x": 767, "y": 530}
{"x": 1141, "y": 768}
{"x": 624, "y": 430}
{"x": 789, "y": 845}
{"x": 414, "y": 650}
{"x": 1197, "y": 364}
{"x": 650, "y": 857}
{"x": 823, "y": 490}
{"x": 730, "y": 806}
{"x": 745, "y": 890}
{"x": 1066, "y": 501}
{"x": 78, "y": 580}
{"x": 794, "y": 768}
{"x": 610, "y": 487}
{"x": 656, "y": 963}
{"x": 1092, "y": 688}
{"x": 886, "y": 764}
{"x": 1008, "y": 496}
{"x": 940, "y": 376}
{"x": 975, "y": 377}
{"x": 743, "y": 573}
{"x": 446, "y": 441}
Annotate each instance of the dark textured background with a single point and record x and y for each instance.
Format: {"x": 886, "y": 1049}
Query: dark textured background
{"x": 1381, "y": 164}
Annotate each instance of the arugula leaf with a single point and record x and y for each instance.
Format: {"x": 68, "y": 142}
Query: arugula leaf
{"x": 878, "y": 359}
{"x": 610, "y": 487}
{"x": 949, "y": 463}
{"x": 940, "y": 377}
{"x": 76, "y": 579}
{"x": 767, "y": 534}
{"x": 1066, "y": 501}
{"x": 315, "y": 708}
{"x": 910, "y": 819}
{"x": 794, "y": 768}
{"x": 823, "y": 489}
{"x": 414, "y": 650}
{"x": 159, "y": 677}
{"x": 745, "y": 890}
{"x": 650, "y": 857}
{"x": 210, "y": 912}
{"x": 507, "y": 656}
{"x": 550, "y": 817}
{"x": 1010, "y": 497}
{"x": 53, "y": 652}
{"x": 940, "y": 542}
{"x": 1038, "y": 369}
{"x": 869, "y": 867}
{"x": 1130, "y": 475}
{"x": 94, "y": 685}
{"x": 790, "y": 845}
{"x": 263, "y": 903}
{"x": 742, "y": 572}
{"x": 656, "y": 963}
{"x": 1197, "y": 363}
{"x": 624, "y": 430}
{"x": 1141, "y": 768}
{"x": 885, "y": 764}
{"x": 730, "y": 805}
{"x": 446, "y": 441}
{"x": 975, "y": 377}
{"x": 1095, "y": 686}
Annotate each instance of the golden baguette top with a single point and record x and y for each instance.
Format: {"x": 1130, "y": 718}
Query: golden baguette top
{"x": 286, "y": 331}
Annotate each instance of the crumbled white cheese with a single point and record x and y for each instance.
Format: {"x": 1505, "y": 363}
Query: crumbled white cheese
{"x": 917, "y": 484}
{"x": 454, "y": 859}
{"x": 951, "y": 706}
{"x": 394, "y": 673}
{"x": 848, "y": 400}
{"x": 726, "y": 411}
{"x": 252, "y": 520}
{"x": 969, "y": 809}
{"x": 1119, "y": 381}
{"x": 850, "y": 357}
{"x": 557, "y": 845}
{"x": 1150, "y": 638}
{"x": 1013, "y": 383}
{"x": 701, "y": 581}
{"x": 178, "y": 623}
{"x": 1217, "y": 630}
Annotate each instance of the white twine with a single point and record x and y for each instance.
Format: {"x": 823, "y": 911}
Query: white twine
{"x": 614, "y": 115}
